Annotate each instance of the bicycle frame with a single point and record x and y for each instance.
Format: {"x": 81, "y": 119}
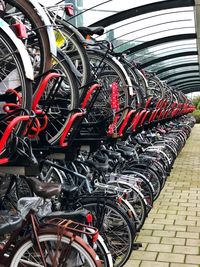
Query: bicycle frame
{"x": 30, "y": 220}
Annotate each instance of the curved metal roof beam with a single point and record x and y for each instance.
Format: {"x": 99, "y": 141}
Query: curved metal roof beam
{"x": 148, "y": 17}
{"x": 171, "y": 38}
{"x": 177, "y": 66}
{"x": 160, "y": 59}
{"x": 191, "y": 90}
{"x": 148, "y": 27}
{"x": 182, "y": 78}
{"x": 136, "y": 11}
{"x": 183, "y": 81}
{"x": 166, "y": 30}
{"x": 180, "y": 48}
{"x": 179, "y": 73}
{"x": 187, "y": 85}
{"x": 172, "y": 62}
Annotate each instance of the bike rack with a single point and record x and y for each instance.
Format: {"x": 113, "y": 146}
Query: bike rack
{"x": 7, "y": 134}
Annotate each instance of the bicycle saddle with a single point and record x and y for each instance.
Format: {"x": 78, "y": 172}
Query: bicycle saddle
{"x": 127, "y": 154}
{"x": 112, "y": 154}
{"x": 44, "y": 190}
{"x": 9, "y": 221}
{"x": 91, "y": 30}
{"x": 100, "y": 166}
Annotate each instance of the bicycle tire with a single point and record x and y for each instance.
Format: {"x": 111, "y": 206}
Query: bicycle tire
{"x": 76, "y": 51}
{"x": 107, "y": 73}
{"x": 12, "y": 64}
{"x": 40, "y": 31}
{"x": 137, "y": 201}
{"x": 99, "y": 206}
{"x": 145, "y": 184}
{"x": 48, "y": 237}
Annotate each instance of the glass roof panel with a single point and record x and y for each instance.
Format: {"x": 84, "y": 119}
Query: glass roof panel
{"x": 191, "y": 79}
{"x": 172, "y": 62}
{"x": 176, "y": 70}
{"x": 139, "y": 29}
{"x": 106, "y": 8}
{"x": 183, "y": 76}
{"x": 164, "y": 49}
{"x": 133, "y": 29}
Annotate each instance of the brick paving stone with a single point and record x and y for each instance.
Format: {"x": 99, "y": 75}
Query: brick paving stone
{"x": 159, "y": 247}
{"x": 179, "y": 200}
{"x": 153, "y": 226}
{"x": 170, "y": 257}
{"x": 144, "y": 255}
{"x": 188, "y": 204}
{"x": 153, "y": 264}
{"x": 181, "y": 222}
{"x": 195, "y": 229}
{"x": 178, "y": 208}
{"x": 187, "y": 213}
{"x": 192, "y": 242}
{"x": 146, "y": 232}
{"x": 133, "y": 263}
{"x": 176, "y": 217}
{"x": 173, "y": 240}
{"x": 183, "y": 265}
{"x": 186, "y": 250}
{"x": 163, "y": 211}
{"x": 164, "y": 233}
{"x": 175, "y": 228}
{"x": 164, "y": 221}
{"x": 188, "y": 235}
{"x": 149, "y": 239}
{"x": 193, "y": 218}
{"x": 192, "y": 259}
{"x": 158, "y": 216}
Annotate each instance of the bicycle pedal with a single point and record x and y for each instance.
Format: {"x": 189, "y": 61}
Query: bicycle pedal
{"x": 137, "y": 245}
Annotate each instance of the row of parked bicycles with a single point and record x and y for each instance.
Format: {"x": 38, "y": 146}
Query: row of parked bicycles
{"x": 87, "y": 141}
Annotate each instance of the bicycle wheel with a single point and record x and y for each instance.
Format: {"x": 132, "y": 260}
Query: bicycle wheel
{"x": 74, "y": 48}
{"x": 143, "y": 183}
{"x": 65, "y": 252}
{"x": 37, "y": 43}
{"x": 17, "y": 187}
{"x": 107, "y": 71}
{"x": 114, "y": 226}
{"x": 15, "y": 87}
{"x": 65, "y": 100}
{"x": 102, "y": 251}
{"x": 137, "y": 201}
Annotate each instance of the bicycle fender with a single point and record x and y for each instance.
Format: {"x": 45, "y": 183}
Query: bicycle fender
{"x": 47, "y": 23}
{"x": 21, "y": 49}
{"x": 71, "y": 64}
{"x": 130, "y": 87}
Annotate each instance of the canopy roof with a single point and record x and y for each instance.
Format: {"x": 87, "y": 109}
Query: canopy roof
{"x": 162, "y": 35}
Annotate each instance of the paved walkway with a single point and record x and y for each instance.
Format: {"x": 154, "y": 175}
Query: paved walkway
{"x": 171, "y": 234}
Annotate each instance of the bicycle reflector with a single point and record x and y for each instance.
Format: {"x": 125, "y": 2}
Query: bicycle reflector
{"x": 125, "y": 195}
{"x": 119, "y": 200}
{"x": 95, "y": 237}
{"x": 89, "y": 218}
{"x": 20, "y": 30}
{"x": 69, "y": 10}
